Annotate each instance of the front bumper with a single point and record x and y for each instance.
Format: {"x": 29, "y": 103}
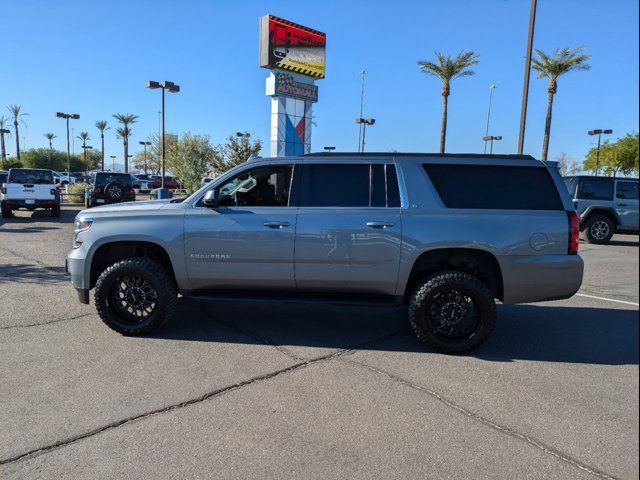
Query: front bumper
{"x": 543, "y": 278}
{"x": 74, "y": 266}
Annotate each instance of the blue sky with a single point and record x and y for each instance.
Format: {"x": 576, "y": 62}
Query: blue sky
{"x": 93, "y": 58}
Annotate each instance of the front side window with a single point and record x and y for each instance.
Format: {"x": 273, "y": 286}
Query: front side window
{"x": 595, "y": 189}
{"x": 268, "y": 186}
{"x": 627, "y": 190}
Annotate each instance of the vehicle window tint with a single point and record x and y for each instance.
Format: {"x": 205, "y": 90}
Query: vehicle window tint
{"x": 103, "y": 179}
{"x": 393, "y": 193}
{"x": 335, "y": 185}
{"x": 571, "y": 184}
{"x": 3, "y": 178}
{"x": 378, "y": 186}
{"x": 257, "y": 187}
{"x": 30, "y": 176}
{"x": 595, "y": 188}
{"x": 494, "y": 187}
{"x": 627, "y": 190}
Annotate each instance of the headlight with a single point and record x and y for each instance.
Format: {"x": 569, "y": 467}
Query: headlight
{"x": 81, "y": 225}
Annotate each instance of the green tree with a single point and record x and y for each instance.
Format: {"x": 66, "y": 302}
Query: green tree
{"x": 552, "y": 67}
{"x": 4, "y": 123}
{"x": 447, "y": 68}
{"x": 124, "y": 132}
{"x": 50, "y": 137}
{"x": 101, "y": 125}
{"x": 17, "y": 114}
{"x": 235, "y": 151}
{"x": 619, "y": 157}
{"x": 192, "y": 157}
{"x": 50, "y": 158}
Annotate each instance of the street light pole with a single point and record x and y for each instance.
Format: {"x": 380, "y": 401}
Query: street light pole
{"x": 486, "y": 130}
{"x": 363, "y": 73}
{"x": 113, "y": 163}
{"x": 363, "y": 124}
{"x": 599, "y": 133}
{"x": 491, "y": 138}
{"x": 68, "y": 116}
{"x": 173, "y": 88}
{"x": 144, "y": 144}
{"x": 527, "y": 76}
{"x": 86, "y": 147}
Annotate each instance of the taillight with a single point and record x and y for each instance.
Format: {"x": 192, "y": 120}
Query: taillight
{"x": 96, "y": 191}
{"x": 53, "y": 191}
{"x": 574, "y": 232}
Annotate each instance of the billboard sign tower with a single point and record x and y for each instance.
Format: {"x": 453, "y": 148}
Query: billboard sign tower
{"x": 295, "y": 56}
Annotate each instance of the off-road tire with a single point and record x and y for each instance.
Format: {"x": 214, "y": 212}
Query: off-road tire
{"x": 591, "y": 225}
{"x": 113, "y": 191}
{"x": 471, "y": 286}
{"x": 55, "y": 211}
{"x": 6, "y": 211}
{"x": 154, "y": 273}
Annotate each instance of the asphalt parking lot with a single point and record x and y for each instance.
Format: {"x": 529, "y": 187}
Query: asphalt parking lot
{"x": 285, "y": 390}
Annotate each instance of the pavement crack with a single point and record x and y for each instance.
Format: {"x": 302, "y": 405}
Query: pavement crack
{"x": 49, "y": 322}
{"x": 206, "y": 396}
{"x": 490, "y": 423}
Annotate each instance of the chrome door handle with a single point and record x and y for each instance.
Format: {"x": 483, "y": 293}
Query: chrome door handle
{"x": 276, "y": 224}
{"x": 379, "y": 224}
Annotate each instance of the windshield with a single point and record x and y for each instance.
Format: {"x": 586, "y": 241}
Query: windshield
{"x": 102, "y": 179}
{"x": 30, "y": 176}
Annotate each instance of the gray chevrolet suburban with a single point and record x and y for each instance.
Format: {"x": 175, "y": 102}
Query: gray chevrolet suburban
{"x": 605, "y": 205}
{"x": 446, "y": 235}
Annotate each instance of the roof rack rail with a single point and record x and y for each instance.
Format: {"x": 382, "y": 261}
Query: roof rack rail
{"x": 407, "y": 154}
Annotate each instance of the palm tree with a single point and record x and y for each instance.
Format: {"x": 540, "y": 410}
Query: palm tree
{"x": 563, "y": 61}
{"x": 446, "y": 69}
{"x": 101, "y": 125}
{"x": 124, "y": 133}
{"x": 84, "y": 136}
{"x": 3, "y": 129}
{"x": 50, "y": 137}
{"x": 15, "y": 111}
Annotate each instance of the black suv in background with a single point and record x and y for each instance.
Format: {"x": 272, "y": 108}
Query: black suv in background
{"x": 107, "y": 187}
{"x": 606, "y": 205}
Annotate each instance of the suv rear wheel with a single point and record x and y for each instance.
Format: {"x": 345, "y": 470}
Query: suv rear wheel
{"x": 135, "y": 296}
{"x": 598, "y": 229}
{"x": 452, "y": 311}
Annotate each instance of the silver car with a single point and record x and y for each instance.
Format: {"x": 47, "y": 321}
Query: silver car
{"x": 446, "y": 235}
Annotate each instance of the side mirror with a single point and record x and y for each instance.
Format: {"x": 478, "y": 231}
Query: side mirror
{"x": 210, "y": 198}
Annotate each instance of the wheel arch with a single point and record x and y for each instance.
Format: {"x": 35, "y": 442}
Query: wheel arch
{"x": 607, "y": 212}
{"x": 480, "y": 263}
{"x": 110, "y": 252}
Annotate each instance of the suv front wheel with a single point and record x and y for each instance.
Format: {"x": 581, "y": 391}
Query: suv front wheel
{"x": 598, "y": 229}
{"x": 135, "y": 296}
{"x": 452, "y": 311}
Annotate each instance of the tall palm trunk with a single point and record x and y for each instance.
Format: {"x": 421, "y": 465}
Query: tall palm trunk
{"x": 102, "y": 155}
{"x": 446, "y": 90}
{"x": 126, "y": 155}
{"x": 15, "y": 124}
{"x": 547, "y": 123}
{"x": 50, "y": 145}
{"x": 4, "y": 148}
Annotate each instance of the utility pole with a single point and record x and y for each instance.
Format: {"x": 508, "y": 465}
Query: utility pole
{"x": 363, "y": 73}
{"x": 486, "y": 130}
{"x": 527, "y": 76}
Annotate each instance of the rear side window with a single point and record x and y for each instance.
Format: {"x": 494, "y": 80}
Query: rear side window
{"x": 30, "y": 176}
{"x": 571, "y": 184}
{"x": 495, "y": 187}
{"x": 348, "y": 185}
{"x": 626, "y": 190}
{"x": 595, "y": 188}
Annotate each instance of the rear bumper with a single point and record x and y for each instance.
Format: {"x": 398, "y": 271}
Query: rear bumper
{"x": 538, "y": 279}
{"x": 23, "y": 203}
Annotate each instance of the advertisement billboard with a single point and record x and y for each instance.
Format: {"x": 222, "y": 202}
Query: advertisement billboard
{"x": 289, "y": 46}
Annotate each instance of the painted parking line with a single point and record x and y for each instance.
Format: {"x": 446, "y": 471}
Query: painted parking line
{"x": 607, "y": 299}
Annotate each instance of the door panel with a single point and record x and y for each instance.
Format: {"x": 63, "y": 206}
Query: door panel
{"x": 336, "y": 251}
{"x": 626, "y": 204}
{"x": 240, "y": 247}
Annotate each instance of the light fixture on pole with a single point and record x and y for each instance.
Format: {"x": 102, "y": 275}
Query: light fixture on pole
{"x": 599, "y": 133}
{"x": 486, "y": 130}
{"x": 243, "y": 134}
{"x": 491, "y": 138}
{"x": 363, "y": 123}
{"x": 67, "y": 117}
{"x": 329, "y": 149}
{"x": 86, "y": 147}
{"x": 145, "y": 145}
{"x": 172, "y": 88}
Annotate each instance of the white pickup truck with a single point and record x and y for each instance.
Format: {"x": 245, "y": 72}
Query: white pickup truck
{"x": 29, "y": 188}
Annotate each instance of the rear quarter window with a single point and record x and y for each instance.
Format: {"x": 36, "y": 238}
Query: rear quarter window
{"x": 596, "y": 188}
{"x": 494, "y": 187}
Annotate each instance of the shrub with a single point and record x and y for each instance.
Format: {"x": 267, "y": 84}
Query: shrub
{"x": 77, "y": 188}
